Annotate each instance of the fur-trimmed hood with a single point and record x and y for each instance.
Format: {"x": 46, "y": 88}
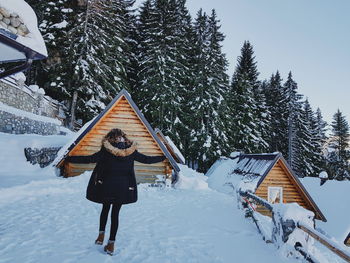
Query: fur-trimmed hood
{"x": 117, "y": 151}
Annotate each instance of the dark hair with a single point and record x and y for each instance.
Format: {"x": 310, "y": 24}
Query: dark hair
{"x": 114, "y": 134}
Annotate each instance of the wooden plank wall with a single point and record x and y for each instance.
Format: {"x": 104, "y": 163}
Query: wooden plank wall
{"x": 121, "y": 116}
{"x": 278, "y": 177}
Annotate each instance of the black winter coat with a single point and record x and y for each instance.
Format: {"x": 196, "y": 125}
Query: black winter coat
{"x": 113, "y": 179}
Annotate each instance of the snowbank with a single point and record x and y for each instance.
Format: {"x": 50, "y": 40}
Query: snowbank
{"x": 14, "y": 167}
{"x": 190, "y": 179}
{"x": 33, "y": 40}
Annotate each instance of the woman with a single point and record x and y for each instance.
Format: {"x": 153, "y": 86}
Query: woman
{"x": 113, "y": 181}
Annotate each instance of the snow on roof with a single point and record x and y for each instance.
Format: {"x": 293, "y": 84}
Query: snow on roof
{"x": 175, "y": 149}
{"x": 222, "y": 178}
{"x": 254, "y": 164}
{"x": 333, "y": 199}
{"x": 10, "y": 9}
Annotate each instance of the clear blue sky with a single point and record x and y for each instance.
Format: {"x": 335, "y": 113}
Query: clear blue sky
{"x": 311, "y": 38}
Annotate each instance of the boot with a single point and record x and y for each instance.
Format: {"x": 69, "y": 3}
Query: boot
{"x": 109, "y": 248}
{"x": 101, "y": 236}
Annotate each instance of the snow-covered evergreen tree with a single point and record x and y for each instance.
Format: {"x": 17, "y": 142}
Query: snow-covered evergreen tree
{"x": 160, "y": 67}
{"x": 210, "y": 87}
{"x": 338, "y": 158}
{"x": 321, "y": 128}
{"x": 276, "y": 102}
{"x": 309, "y": 159}
{"x": 88, "y": 51}
{"x": 55, "y": 19}
{"x": 186, "y": 78}
{"x": 97, "y": 54}
{"x": 247, "y": 112}
{"x": 291, "y": 117}
{"x": 318, "y": 128}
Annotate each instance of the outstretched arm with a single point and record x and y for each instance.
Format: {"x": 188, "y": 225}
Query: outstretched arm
{"x": 84, "y": 159}
{"x": 148, "y": 159}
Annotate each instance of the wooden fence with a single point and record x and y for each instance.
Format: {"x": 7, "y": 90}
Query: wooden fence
{"x": 332, "y": 246}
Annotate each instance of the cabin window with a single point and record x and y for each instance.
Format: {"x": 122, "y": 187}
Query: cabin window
{"x": 275, "y": 195}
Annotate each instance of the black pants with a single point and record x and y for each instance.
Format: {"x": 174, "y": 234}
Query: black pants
{"x": 114, "y": 219}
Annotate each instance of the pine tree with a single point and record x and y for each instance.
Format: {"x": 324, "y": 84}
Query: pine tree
{"x": 211, "y": 84}
{"x": 276, "y": 102}
{"x": 97, "y": 55}
{"x": 309, "y": 157}
{"x": 321, "y": 128}
{"x": 186, "y": 77}
{"x": 291, "y": 117}
{"x": 338, "y": 159}
{"x": 246, "y": 105}
{"x": 160, "y": 65}
{"x": 55, "y": 19}
{"x": 319, "y": 140}
{"x": 87, "y": 49}
{"x": 131, "y": 40}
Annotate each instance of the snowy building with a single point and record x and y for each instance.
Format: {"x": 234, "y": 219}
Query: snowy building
{"x": 121, "y": 113}
{"x": 20, "y": 39}
{"x": 266, "y": 175}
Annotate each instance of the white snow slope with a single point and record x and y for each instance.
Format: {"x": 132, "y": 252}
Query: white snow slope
{"x": 333, "y": 199}
{"x": 47, "y": 219}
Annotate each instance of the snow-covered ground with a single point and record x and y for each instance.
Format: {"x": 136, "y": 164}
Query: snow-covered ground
{"x": 15, "y": 170}
{"x": 47, "y": 218}
{"x": 333, "y": 199}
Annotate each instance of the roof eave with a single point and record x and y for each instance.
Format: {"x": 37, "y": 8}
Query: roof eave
{"x": 347, "y": 239}
{"x": 278, "y": 155}
{"x": 320, "y": 214}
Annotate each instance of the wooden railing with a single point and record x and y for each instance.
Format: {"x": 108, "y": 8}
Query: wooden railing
{"x": 332, "y": 246}
{"x": 325, "y": 241}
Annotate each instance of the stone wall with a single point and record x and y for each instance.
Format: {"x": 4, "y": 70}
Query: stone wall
{"x": 17, "y": 98}
{"x": 31, "y": 100}
{"x": 43, "y": 156}
{"x": 11, "y": 123}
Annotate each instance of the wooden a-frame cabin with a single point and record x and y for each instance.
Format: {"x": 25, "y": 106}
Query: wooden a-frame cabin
{"x": 124, "y": 114}
{"x": 275, "y": 181}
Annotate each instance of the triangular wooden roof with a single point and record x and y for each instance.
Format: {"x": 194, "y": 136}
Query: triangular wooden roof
{"x": 347, "y": 240}
{"x": 261, "y": 165}
{"x": 126, "y": 95}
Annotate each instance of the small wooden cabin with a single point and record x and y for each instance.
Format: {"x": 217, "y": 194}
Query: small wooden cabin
{"x": 121, "y": 113}
{"x": 275, "y": 181}
{"x": 174, "y": 151}
{"x": 347, "y": 240}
